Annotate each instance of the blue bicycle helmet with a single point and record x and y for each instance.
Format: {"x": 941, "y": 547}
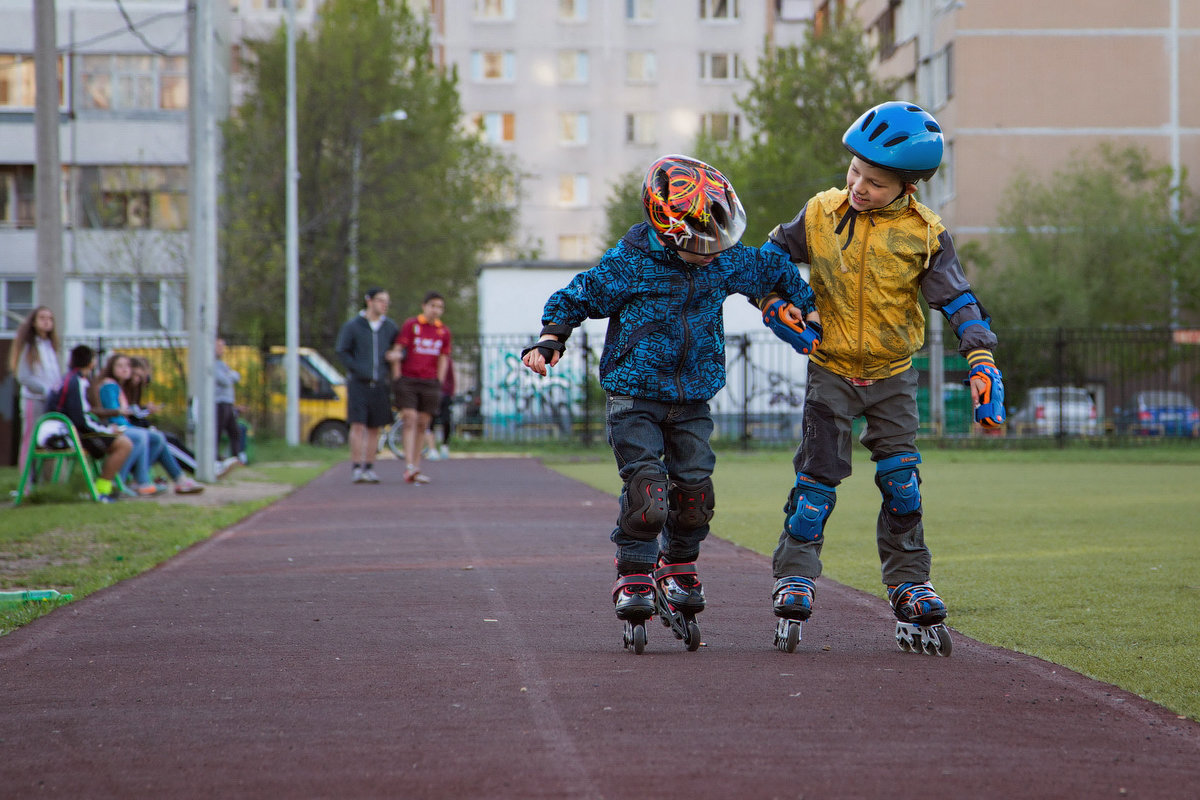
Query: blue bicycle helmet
{"x": 897, "y": 136}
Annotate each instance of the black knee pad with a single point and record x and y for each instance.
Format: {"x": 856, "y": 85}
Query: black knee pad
{"x": 644, "y": 506}
{"x": 691, "y": 504}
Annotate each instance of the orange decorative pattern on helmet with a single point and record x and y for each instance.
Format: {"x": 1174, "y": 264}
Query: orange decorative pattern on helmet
{"x": 692, "y": 206}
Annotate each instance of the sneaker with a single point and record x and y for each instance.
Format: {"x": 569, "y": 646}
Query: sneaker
{"x": 444, "y": 451}
{"x": 126, "y": 490}
{"x": 369, "y": 476}
{"x": 188, "y": 486}
{"x": 225, "y": 465}
{"x": 357, "y": 476}
{"x": 106, "y": 498}
{"x": 150, "y": 490}
{"x": 242, "y": 458}
{"x": 415, "y": 476}
{"x": 431, "y": 455}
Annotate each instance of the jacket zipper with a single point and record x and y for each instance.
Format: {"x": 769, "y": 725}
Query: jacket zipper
{"x": 687, "y": 336}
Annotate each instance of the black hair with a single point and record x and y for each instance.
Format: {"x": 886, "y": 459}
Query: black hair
{"x": 432, "y": 296}
{"x": 81, "y": 356}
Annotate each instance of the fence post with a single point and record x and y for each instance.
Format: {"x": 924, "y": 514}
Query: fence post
{"x": 587, "y": 404}
{"x": 1060, "y": 347}
{"x": 744, "y": 352}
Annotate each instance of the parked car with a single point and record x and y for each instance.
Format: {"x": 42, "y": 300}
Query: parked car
{"x": 1160, "y": 413}
{"x": 1039, "y": 415}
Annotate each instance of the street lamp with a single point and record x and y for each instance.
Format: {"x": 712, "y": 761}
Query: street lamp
{"x": 355, "y": 191}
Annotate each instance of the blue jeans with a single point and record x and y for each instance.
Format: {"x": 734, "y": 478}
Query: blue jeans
{"x": 149, "y": 448}
{"x": 669, "y": 441}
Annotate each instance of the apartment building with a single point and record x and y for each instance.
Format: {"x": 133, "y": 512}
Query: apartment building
{"x": 1027, "y": 85}
{"x": 581, "y": 92}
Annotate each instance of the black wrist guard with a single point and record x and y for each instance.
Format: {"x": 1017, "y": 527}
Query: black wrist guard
{"x": 547, "y": 347}
{"x": 563, "y": 332}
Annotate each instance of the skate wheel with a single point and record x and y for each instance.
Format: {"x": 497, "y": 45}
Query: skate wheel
{"x": 792, "y": 639}
{"x": 639, "y": 638}
{"x": 692, "y": 639}
{"x": 943, "y": 646}
{"x": 787, "y": 635}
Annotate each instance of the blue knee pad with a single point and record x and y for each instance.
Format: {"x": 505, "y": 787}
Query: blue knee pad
{"x": 644, "y": 506}
{"x": 900, "y": 483}
{"x": 809, "y": 505}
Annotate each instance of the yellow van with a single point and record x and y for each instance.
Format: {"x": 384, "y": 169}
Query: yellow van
{"x": 262, "y": 389}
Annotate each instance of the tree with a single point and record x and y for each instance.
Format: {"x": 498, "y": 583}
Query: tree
{"x": 1095, "y": 244}
{"x": 433, "y": 195}
{"x": 800, "y": 102}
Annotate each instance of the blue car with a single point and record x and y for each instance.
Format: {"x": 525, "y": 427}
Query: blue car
{"x": 1162, "y": 413}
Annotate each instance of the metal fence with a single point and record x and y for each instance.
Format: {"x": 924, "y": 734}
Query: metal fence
{"x": 1097, "y": 385}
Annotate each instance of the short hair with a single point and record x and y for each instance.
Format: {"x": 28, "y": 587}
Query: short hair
{"x": 374, "y": 290}
{"x": 81, "y": 356}
{"x": 432, "y": 296}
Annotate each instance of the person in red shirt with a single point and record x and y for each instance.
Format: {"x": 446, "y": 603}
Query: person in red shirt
{"x": 424, "y": 345}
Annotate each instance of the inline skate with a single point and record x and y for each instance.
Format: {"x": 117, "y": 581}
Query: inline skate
{"x": 679, "y": 599}
{"x": 792, "y": 603}
{"x": 634, "y": 600}
{"x": 919, "y": 616}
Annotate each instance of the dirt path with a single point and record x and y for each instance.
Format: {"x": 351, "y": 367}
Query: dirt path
{"x": 455, "y": 640}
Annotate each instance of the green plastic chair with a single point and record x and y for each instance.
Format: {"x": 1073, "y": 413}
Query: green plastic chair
{"x": 71, "y": 457}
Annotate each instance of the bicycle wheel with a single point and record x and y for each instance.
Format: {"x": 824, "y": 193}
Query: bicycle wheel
{"x": 394, "y": 436}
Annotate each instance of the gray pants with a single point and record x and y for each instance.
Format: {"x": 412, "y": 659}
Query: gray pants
{"x": 831, "y": 405}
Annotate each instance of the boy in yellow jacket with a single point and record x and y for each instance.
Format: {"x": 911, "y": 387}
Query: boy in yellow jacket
{"x": 873, "y": 251}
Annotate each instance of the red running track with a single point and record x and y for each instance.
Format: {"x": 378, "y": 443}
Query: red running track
{"x": 456, "y": 640}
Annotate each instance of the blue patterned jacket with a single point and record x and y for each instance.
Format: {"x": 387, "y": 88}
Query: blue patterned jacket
{"x": 666, "y": 332}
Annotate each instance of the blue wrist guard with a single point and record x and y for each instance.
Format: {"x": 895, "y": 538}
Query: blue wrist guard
{"x": 804, "y": 339}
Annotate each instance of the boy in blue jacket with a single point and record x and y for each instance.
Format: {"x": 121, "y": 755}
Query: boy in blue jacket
{"x": 662, "y": 288}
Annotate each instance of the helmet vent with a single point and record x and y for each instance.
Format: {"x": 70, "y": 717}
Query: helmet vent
{"x": 931, "y": 126}
{"x": 895, "y": 140}
{"x": 875, "y": 134}
{"x": 867, "y": 121}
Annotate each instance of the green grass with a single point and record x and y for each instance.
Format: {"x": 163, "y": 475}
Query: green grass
{"x": 53, "y": 540}
{"x": 1087, "y": 558}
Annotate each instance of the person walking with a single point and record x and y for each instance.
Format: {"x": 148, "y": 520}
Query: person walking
{"x": 34, "y": 360}
{"x": 225, "y": 381}
{"x": 364, "y": 346}
{"x": 423, "y": 346}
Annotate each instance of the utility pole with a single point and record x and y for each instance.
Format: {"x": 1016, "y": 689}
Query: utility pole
{"x": 48, "y": 187}
{"x": 291, "y": 357}
{"x": 203, "y": 142}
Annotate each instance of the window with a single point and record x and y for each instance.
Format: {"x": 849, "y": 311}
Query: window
{"x": 496, "y": 127}
{"x": 128, "y": 305}
{"x": 16, "y": 196}
{"x": 133, "y": 82}
{"x": 640, "y": 66}
{"x": 721, "y": 126}
{"x": 574, "y": 247}
{"x": 573, "y": 190}
{"x": 494, "y": 9}
{"x": 640, "y": 128}
{"x": 720, "y": 67}
{"x": 16, "y": 300}
{"x": 18, "y": 88}
{"x": 572, "y": 66}
{"x": 639, "y": 10}
{"x": 572, "y": 128}
{"x": 719, "y": 9}
{"x": 493, "y": 65}
{"x": 132, "y": 197}
{"x": 572, "y": 10}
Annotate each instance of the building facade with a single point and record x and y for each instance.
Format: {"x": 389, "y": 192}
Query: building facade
{"x": 1026, "y": 86}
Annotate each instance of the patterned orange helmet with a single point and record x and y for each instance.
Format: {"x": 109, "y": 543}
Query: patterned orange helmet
{"x": 692, "y": 206}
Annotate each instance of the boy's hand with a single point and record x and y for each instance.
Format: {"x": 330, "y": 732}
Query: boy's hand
{"x": 987, "y": 390}
{"x": 787, "y": 322}
{"x": 545, "y": 353}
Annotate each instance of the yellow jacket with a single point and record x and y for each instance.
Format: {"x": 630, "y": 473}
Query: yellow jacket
{"x": 869, "y": 277}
